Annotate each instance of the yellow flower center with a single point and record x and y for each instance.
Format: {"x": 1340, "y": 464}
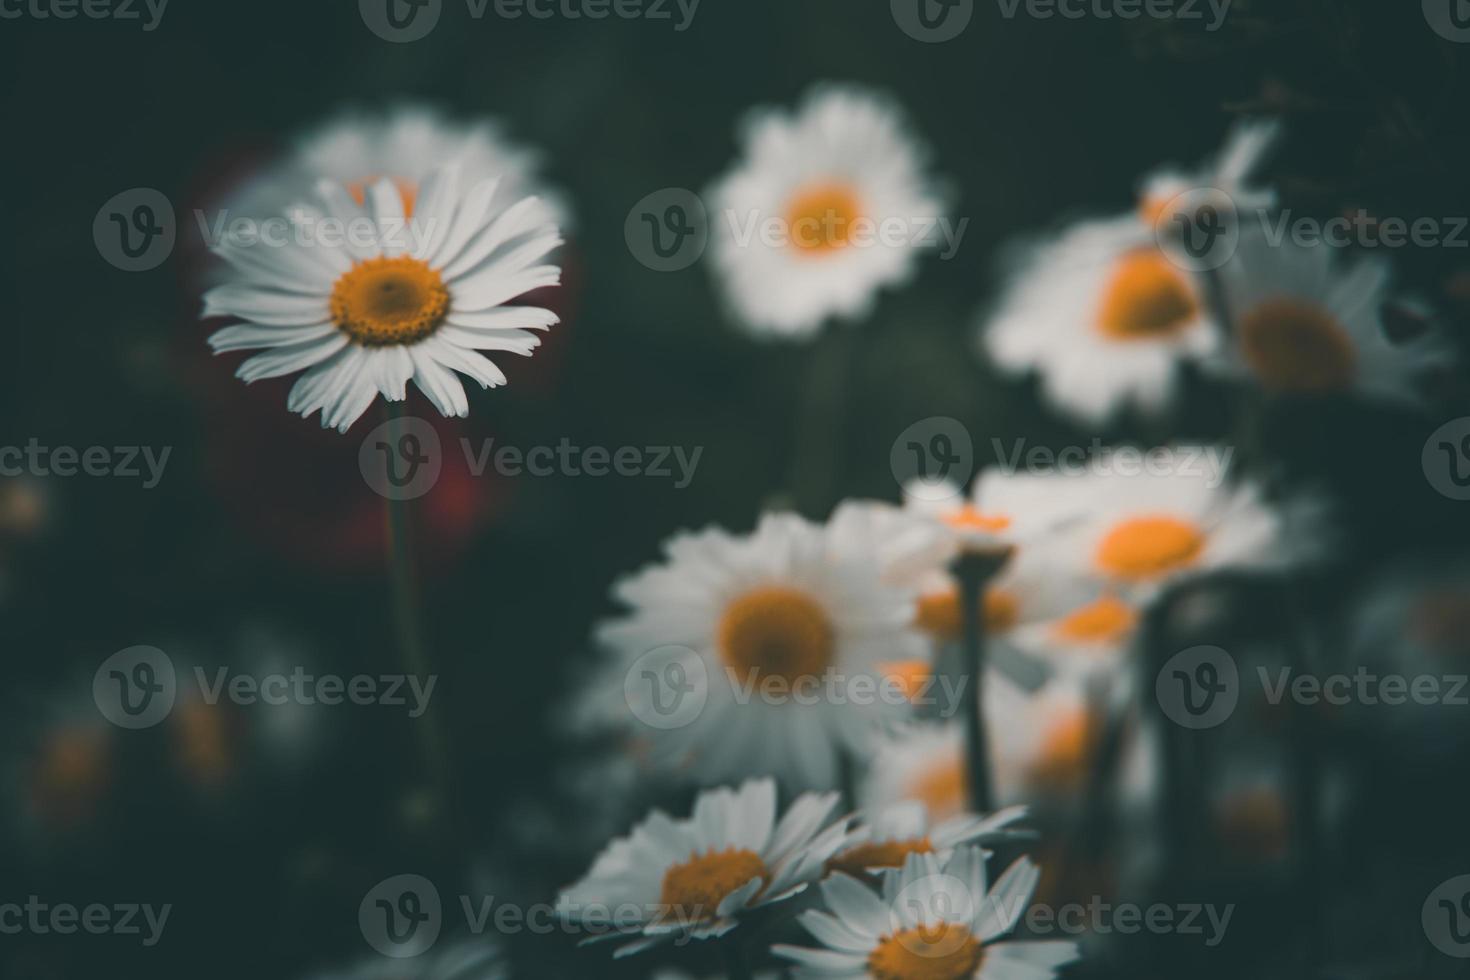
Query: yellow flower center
{"x": 1297, "y": 346}
{"x": 1065, "y": 750}
{"x": 940, "y": 616}
{"x": 71, "y": 774}
{"x": 1255, "y": 823}
{"x": 1106, "y": 620}
{"x": 777, "y": 631}
{"x": 944, "y": 951}
{"x": 821, "y": 217}
{"x": 1148, "y": 547}
{"x": 943, "y": 788}
{"x": 857, "y": 860}
{"x": 380, "y": 302}
{"x": 694, "y": 889}
{"x": 911, "y": 676}
{"x": 407, "y": 189}
{"x": 1147, "y": 298}
{"x": 971, "y": 518}
{"x": 204, "y": 741}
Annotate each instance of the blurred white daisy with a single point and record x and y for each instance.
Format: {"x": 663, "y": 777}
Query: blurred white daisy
{"x": 791, "y": 625}
{"x": 886, "y": 837}
{"x": 1092, "y": 636}
{"x": 403, "y": 143}
{"x": 693, "y": 879}
{"x": 924, "y": 763}
{"x": 1003, "y": 510}
{"x": 1245, "y": 149}
{"x": 1042, "y": 743}
{"x": 933, "y": 921}
{"x": 843, "y": 185}
{"x": 415, "y": 298}
{"x": 1304, "y": 323}
{"x": 1105, "y": 318}
{"x": 1177, "y": 518}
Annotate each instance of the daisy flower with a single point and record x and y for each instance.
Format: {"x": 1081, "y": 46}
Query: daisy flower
{"x": 1105, "y": 318}
{"x": 1246, "y": 147}
{"x": 1004, "y": 510}
{"x": 1174, "y": 519}
{"x": 836, "y": 177}
{"x": 924, "y": 763}
{"x": 403, "y": 143}
{"x": 787, "y": 622}
{"x": 1304, "y": 323}
{"x": 1093, "y": 635}
{"x": 1042, "y": 743}
{"x": 693, "y": 879}
{"x": 887, "y": 837}
{"x": 932, "y": 920}
{"x": 416, "y": 300}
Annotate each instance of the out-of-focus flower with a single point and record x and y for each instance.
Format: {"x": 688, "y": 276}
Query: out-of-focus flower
{"x": 66, "y": 772}
{"x": 832, "y": 180}
{"x": 694, "y": 878}
{"x": 1105, "y": 318}
{"x": 1092, "y": 636}
{"x": 418, "y": 298}
{"x": 933, "y": 919}
{"x": 1042, "y": 743}
{"x": 779, "y": 618}
{"x": 1004, "y": 510}
{"x": 1246, "y": 147}
{"x": 405, "y": 144}
{"x": 885, "y": 838}
{"x": 923, "y": 763}
{"x": 478, "y": 960}
{"x": 1304, "y": 323}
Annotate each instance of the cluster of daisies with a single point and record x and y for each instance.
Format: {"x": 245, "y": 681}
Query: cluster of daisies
{"x": 864, "y": 607}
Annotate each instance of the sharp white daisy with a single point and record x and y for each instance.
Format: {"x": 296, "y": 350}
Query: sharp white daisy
{"x": 1175, "y": 518}
{"x": 694, "y": 878}
{"x": 418, "y": 296}
{"x": 829, "y": 205}
{"x": 1305, "y": 321}
{"x": 1105, "y": 318}
{"x": 403, "y": 143}
{"x": 792, "y": 625}
{"x": 886, "y": 837}
{"x": 932, "y": 920}
{"x": 1246, "y": 147}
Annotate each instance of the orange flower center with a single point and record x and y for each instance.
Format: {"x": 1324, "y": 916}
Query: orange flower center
{"x": 1255, "y": 823}
{"x": 821, "y": 217}
{"x": 1065, "y": 750}
{"x": 694, "y": 889}
{"x": 944, "y": 951}
{"x": 1148, "y": 547}
{"x": 1147, "y": 298}
{"x": 407, "y": 189}
{"x": 942, "y": 788}
{"x": 910, "y": 676}
{"x": 777, "y": 631}
{"x": 71, "y": 774}
{"x": 940, "y": 616}
{"x": 885, "y": 854}
{"x": 1296, "y": 346}
{"x": 380, "y": 302}
{"x": 1106, "y": 620}
{"x": 970, "y": 518}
